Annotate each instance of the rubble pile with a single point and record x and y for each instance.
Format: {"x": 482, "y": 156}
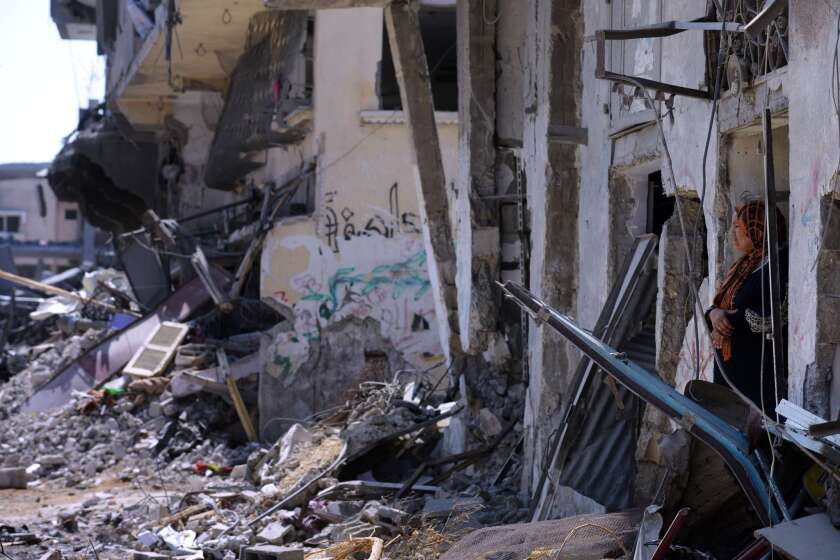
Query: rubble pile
{"x": 201, "y": 489}
{"x": 133, "y": 428}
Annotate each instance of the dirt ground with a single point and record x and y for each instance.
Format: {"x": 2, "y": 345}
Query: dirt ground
{"x": 37, "y": 510}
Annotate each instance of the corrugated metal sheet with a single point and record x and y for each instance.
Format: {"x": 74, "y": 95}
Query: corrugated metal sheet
{"x": 601, "y": 462}
{"x": 595, "y": 454}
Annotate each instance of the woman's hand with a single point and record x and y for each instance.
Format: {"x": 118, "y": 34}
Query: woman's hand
{"x": 720, "y": 321}
{"x": 717, "y": 340}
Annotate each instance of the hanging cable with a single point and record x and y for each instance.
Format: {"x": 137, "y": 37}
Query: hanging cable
{"x": 678, "y": 205}
{"x": 721, "y": 59}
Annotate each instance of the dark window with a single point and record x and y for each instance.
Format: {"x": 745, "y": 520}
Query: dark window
{"x": 13, "y": 224}
{"x": 71, "y": 214}
{"x": 438, "y": 27}
{"x": 42, "y": 201}
{"x": 660, "y": 205}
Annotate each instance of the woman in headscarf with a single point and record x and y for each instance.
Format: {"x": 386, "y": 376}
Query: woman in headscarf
{"x": 740, "y": 317}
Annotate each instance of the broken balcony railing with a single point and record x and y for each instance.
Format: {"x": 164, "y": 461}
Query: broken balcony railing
{"x": 731, "y": 444}
{"x": 771, "y": 10}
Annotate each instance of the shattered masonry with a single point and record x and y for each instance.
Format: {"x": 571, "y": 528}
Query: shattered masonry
{"x": 408, "y": 279}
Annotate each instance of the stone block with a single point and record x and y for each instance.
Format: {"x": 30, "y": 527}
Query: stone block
{"x": 275, "y": 533}
{"x": 13, "y": 478}
{"x": 489, "y": 423}
{"x": 270, "y": 552}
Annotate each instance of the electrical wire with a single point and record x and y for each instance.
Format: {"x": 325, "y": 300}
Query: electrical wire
{"x": 678, "y": 205}
{"x": 715, "y": 98}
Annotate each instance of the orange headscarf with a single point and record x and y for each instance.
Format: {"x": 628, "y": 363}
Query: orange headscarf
{"x": 751, "y": 216}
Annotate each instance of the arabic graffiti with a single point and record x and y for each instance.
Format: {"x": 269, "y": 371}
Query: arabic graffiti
{"x": 345, "y": 225}
{"x": 393, "y": 281}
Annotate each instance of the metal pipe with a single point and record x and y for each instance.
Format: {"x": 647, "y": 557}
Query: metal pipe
{"x": 772, "y": 242}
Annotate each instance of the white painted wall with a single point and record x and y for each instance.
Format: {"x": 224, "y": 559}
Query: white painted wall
{"x": 21, "y": 196}
{"x": 361, "y": 253}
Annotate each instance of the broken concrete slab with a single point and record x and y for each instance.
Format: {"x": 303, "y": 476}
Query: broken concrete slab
{"x": 275, "y": 533}
{"x": 807, "y": 538}
{"x": 13, "y": 478}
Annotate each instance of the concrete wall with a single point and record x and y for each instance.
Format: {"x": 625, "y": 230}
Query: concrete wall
{"x": 814, "y": 336}
{"x": 357, "y": 266}
{"x": 196, "y": 114}
{"x": 553, "y": 74}
{"x": 613, "y": 169}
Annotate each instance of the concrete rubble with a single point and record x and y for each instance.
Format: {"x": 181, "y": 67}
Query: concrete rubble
{"x": 148, "y": 474}
{"x": 434, "y": 280}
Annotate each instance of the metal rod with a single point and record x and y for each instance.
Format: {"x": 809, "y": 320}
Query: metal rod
{"x": 771, "y": 483}
{"x": 772, "y": 243}
{"x": 217, "y": 210}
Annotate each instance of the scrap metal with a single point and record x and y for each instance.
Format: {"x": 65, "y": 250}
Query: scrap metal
{"x": 732, "y": 445}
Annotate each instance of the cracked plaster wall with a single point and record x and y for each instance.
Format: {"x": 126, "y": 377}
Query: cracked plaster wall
{"x": 353, "y": 277}
{"x": 555, "y": 35}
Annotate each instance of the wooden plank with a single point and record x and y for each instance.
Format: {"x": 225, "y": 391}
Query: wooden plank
{"x": 807, "y": 538}
{"x": 56, "y": 291}
{"x": 236, "y": 397}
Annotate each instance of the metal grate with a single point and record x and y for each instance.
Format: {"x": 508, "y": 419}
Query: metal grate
{"x": 270, "y": 79}
{"x": 751, "y": 56}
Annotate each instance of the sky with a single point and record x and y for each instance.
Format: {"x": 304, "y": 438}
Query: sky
{"x": 43, "y": 81}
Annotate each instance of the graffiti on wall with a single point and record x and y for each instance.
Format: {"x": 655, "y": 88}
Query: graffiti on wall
{"x": 344, "y": 224}
{"x": 347, "y": 287}
{"x": 386, "y": 281}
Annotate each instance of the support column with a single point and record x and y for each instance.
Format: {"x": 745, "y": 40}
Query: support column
{"x": 552, "y": 97}
{"x": 477, "y": 232}
{"x": 403, "y": 24}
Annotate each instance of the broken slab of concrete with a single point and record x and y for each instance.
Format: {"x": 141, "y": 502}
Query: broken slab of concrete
{"x": 13, "y": 478}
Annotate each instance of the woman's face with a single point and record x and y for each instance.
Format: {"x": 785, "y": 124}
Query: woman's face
{"x": 740, "y": 240}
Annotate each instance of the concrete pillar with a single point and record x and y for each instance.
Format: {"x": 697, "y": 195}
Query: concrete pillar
{"x": 814, "y": 338}
{"x": 552, "y": 96}
{"x": 403, "y": 24}
{"x": 674, "y": 307}
{"x": 477, "y": 234}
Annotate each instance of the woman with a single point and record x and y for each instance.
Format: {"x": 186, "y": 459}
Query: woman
{"x": 740, "y": 317}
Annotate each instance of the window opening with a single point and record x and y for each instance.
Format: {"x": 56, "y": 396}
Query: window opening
{"x": 660, "y": 205}
{"x": 10, "y": 223}
{"x": 753, "y": 54}
{"x": 71, "y": 214}
{"x": 438, "y": 28}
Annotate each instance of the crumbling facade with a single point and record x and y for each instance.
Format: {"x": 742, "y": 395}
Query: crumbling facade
{"x": 591, "y": 153}
{"x": 231, "y": 100}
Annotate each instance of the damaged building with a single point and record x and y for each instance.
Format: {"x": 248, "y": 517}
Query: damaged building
{"x": 478, "y": 233}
